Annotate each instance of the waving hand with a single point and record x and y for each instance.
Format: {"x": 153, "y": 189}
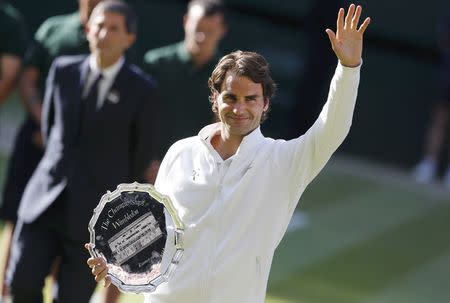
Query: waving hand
{"x": 347, "y": 42}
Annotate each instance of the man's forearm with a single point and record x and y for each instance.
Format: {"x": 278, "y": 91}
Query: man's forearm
{"x": 5, "y": 89}
{"x": 9, "y": 72}
{"x": 29, "y": 93}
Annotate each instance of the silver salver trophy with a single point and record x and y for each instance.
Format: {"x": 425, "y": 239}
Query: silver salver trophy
{"x": 128, "y": 229}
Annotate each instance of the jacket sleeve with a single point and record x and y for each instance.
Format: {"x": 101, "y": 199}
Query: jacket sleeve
{"x": 145, "y": 134}
{"x": 304, "y": 157}
{"x": 48, "y": 108}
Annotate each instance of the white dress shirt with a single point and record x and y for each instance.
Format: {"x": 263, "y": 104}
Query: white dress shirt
{"x": 108, "y": 76}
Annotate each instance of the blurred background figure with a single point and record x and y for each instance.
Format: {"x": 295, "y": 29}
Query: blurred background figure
{"x": 88, "y": 107}
{"x": 59, "y": 35}
{"x": 12, "y": 47}
{"x": 438, "y": 133}
{"x": 13, "y": 44}
{"x": 182, "y": 70}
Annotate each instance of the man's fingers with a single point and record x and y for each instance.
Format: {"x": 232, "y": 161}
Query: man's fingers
{"x": 356, "y": 16}
{"x": 340, "y": 20}
{"x": 97, "y": 269}
{"x": 96, "y": 261}
{"x": 350, "y": 13}
{"x": 331, "y": 36}
{"x": 100, "y": 273}
{"x": 364, "y": 25}
{"x": 107, "y": 281}
{"x": 91, "y": 262}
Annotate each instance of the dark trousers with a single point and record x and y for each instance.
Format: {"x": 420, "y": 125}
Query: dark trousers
{"x": 35, "y": 247}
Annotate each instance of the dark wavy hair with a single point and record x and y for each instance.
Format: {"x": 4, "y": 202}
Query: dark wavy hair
{"x": 211, "y": 7}
{"x": 121, "y": 8}
{"x": 245, "y": 64}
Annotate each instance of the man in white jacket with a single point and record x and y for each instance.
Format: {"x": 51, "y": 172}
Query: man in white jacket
{"x": 234, "y": 189}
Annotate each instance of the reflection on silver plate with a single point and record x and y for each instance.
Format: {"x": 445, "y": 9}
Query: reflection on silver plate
{"x": 129, "y": 230}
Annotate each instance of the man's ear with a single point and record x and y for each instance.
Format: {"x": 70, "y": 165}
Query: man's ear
{"x": 184, "y": 21}
{"x": 224, "y": 28}
{"x": 266, "y": 104}
{"x": 213, "y": 99}
{"x": 131, "y": 40}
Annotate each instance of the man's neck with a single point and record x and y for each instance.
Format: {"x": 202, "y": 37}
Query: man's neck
{"x": 225, "y": 144}
{"x": 103, "y": 62}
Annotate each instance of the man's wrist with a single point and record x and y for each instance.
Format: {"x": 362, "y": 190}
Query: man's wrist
{"x": 351, "y": 65}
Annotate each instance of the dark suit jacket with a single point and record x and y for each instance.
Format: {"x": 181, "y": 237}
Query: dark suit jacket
{"x": 89, "y": 156}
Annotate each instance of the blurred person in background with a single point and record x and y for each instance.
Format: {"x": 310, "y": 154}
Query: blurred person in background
{"x": 97, "y": 125}
{"x": 182, "y": 70}
{"x": 13, "y": 42}
{"x": 222, "y": 181}
{"x": 438, "y": 133}
{"x": 59, "y": 35}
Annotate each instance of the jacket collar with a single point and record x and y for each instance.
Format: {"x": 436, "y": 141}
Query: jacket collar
{"x": 84, "y": 70}
{"x": 248, "y": 146}
{"x": 110, "y": 72}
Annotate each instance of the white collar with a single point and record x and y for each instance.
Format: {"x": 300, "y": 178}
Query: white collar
{"x": 110, "y": 72}
{"x": 248, "y": 145}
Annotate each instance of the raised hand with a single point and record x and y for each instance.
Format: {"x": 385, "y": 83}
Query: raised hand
{"x": 347, "y": 42}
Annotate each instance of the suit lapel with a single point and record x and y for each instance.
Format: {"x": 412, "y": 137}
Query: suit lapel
{"x": 114, "y": 94}
{"x": 83, "y": 71}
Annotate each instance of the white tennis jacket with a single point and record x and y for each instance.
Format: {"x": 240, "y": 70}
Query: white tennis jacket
{"x": 237, "y": 211}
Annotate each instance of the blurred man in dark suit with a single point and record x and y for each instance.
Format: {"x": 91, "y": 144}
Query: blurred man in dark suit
{"x": 97, "y": 124}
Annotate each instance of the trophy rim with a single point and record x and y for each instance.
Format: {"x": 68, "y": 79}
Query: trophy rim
{"x": 178, "y": 234}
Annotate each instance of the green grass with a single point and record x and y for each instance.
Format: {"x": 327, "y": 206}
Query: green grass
{"x": 370, "y": 239}
{"x": 368, "y": 242}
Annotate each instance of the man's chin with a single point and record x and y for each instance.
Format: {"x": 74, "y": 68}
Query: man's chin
{"x": 102, "y": 50}
{"x": 241, "y": 131}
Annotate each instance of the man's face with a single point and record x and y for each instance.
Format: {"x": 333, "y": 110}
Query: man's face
{"x": 108, "y": 36}
{"x": 240, "y": 104}
{"x": 203, "y": 32}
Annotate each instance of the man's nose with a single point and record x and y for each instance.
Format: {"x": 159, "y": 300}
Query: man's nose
{"x": 239, "y": 107}
{"x": 200, "y": 37}
{"x": 103, "y": 33}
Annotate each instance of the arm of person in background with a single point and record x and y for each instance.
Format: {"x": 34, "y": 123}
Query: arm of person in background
{"x": 10, "y": 66}
{"x": 29, "y": 92}
{"x": 31, "y": 98}
{"x": 13, "y": 45}
{"x": 34, "y": 68}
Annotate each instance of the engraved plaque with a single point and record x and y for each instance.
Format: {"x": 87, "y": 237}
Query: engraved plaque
{"x": 128, "y": 229}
